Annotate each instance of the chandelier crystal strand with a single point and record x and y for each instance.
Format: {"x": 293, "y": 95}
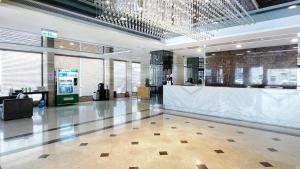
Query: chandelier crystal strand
{"x": 196, "y": 19}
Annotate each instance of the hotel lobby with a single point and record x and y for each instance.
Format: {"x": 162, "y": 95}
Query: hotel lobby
{"x": 148, "y": 84}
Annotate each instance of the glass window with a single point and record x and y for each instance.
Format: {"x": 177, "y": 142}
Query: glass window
{"x": 91, "y": 72}
{"x": 208, "y": 75}
{"x": 256, "y": 75}
{"x": 19, "y": 70}
{"x": 120, "y": 76}
{"x": 238, "y": 75}
{"x": 298, "y": 77}
{"x": 284, "y": 77}
{"x": 136, "y": 76}
{"x": 220, "y": 76}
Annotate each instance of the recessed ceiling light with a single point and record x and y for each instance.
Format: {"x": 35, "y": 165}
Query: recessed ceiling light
{"x": 123, "y": 19}
{"x": 292, "y": 6}
{"x": 71, "y": 43}
{"x": 238, "y": 46}
{"x": 248, "y": 51}
{"x": 199, "y": 50}
{"x": 298, "y": 34}
{"x": 294, "y": 40}
{"x": 61, "y": 46}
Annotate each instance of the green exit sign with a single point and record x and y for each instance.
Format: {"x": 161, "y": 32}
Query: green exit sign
{"x": 49, "y": 33}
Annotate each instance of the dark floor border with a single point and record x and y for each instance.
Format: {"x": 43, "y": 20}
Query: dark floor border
{"x": 74, "y": 136}
{"x": 231, "y": 124}
{"x": 67, "y": 126}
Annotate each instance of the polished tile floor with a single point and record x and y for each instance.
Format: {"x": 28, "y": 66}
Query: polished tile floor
{"x": 131, "y": 134}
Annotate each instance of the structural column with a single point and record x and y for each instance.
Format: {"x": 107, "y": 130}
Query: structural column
{"x": 49, "y": 70}
{"x": 178, "y": 70}
{"x": 109, "y": 76}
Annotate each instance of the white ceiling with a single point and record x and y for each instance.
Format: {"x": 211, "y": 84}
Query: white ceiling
{"x": 30, "y": 20}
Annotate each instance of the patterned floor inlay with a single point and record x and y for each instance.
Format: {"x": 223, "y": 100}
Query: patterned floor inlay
{"x": 43, "y": 156}
{"x": 112, "y": 135}
{"x": 133, "y": 167}
{"x": 219, "y": 151}
{"x": 153, "y": 122}
{"x": 135, "y": 128}
{"x": 134, "y": 142}
{"x": 173, "y": 127}
{"x": 104, "y": 154}
{"x": 276, "y": 139}
{"x": 163, "y": 153}
{"x": 157, "y": 134}
{"x": 199, "y": 133}
{"x": 83, "y": 144}
{"x": 187, "y": 122}
{"x": 184, "y": 141}
{"x": 230, "y": 140}
{"x": 240, "y": 132}
{"x": 202, "y": 166}
{"x": 266, "y": 164}
{"x": 272, "y": 149}
{"x": 211, "y": 127}
{"x": 167, "y": 118}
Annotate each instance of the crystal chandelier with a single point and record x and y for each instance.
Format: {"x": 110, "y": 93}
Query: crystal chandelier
{"x": 193, "y": 18}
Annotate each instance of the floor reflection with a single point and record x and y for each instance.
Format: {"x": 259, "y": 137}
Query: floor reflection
{"x": 68, "y": 121}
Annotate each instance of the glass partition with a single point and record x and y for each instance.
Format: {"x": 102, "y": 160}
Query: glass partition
{"x": 120, "y": 76}
{"x": 136, "y": 76}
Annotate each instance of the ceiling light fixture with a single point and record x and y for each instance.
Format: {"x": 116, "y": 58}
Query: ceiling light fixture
{"x": 61, "y": 46}
{"x": 199, "y": 50}
{"x": 292, "y": 7}
{"x": 123, "y": 19}
{"x": 197, "y": 19}
{"x": 238, "y": 46}
{"x": 298, "y": 34}
{"x": 71, "y": 43}
{"x": 294, "y": 40}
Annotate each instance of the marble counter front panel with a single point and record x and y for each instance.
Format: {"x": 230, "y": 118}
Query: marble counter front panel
{"x": 271, "y": 106}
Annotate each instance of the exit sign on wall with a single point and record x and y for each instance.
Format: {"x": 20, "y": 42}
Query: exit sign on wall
{"x": 49, "y": 33}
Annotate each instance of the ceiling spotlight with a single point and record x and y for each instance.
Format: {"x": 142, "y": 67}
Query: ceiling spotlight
{"x": 107, "y": 2}
{"x": 292, "y": 6}
{"x": 71, "y": 43}
{"x": 123, "y": 19}
{"x": 238, "y": 46}
{"x": 248, "y": 51}
{"x": 199, "y": 50}
{"x": 298, "y": 34}
{"x": 61, "y": 46}
{"x": 214, "y": 54}
{"x": 295, "y": 40}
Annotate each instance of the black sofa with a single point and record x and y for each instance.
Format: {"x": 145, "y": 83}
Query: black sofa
{"x": 12, "y": 109}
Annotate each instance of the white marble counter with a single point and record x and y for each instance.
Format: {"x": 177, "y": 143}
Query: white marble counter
{"x": 271, "y": 106}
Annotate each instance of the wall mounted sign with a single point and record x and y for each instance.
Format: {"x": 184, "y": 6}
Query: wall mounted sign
{"x": 49, "y": 33}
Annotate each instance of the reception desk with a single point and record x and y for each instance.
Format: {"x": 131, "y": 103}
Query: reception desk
{"x": 270, "y": 106}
